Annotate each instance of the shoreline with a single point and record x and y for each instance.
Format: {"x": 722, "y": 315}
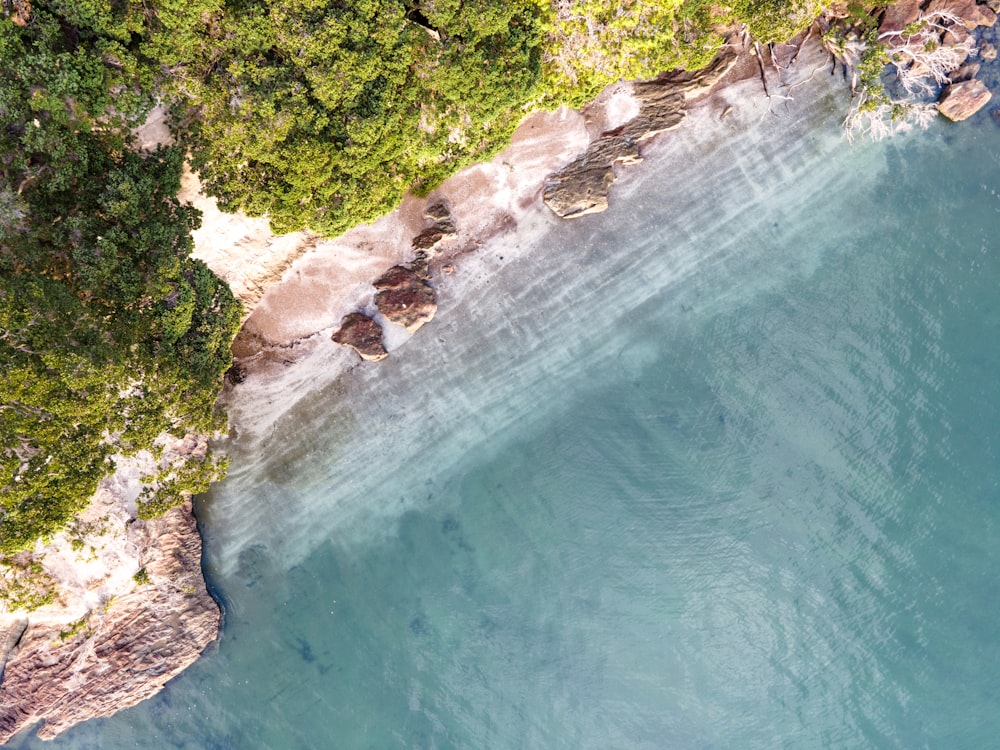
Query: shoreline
{"x": 487, "y": 201}
{"x": 274, "y": 398}
{"x": 299, "y": 287}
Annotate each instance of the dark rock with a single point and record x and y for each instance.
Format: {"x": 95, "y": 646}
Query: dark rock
{"x": 429, "y": 238}
{"x": 405, "y": 298}
{"x": 995, "y": 114}
{"x": 235, "y": 374}
{"x": 443, "y": 227}
{"x": 437, "y": 211}
{"x": 363, "y": 334}
{"x": 960, "y": 101}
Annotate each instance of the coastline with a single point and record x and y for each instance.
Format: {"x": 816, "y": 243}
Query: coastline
{"x": 272, "y": 404}
{"x": 297, "y": 301}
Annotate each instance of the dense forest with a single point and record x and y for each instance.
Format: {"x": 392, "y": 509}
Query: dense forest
{"x": 315, "y": 113}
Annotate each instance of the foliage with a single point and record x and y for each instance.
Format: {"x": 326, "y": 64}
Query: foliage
{"x": 770, "y": 21}
{"x": 323, "y": 114}
{"x": 75, "y": 628}
{"x": 25, "y": 585}
{"x": 595, "y": 43}
{"x": 109, "y": 332}
{"x": 178, "y": 483}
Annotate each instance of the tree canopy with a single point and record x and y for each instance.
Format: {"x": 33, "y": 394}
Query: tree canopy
{"x": 109, "y": 332}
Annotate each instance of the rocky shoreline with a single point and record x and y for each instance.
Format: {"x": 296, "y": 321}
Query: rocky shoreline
{"x": 119, "y": 654}
{"x": 115, "y": 644}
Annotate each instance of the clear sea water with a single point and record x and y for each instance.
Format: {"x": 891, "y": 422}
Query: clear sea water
{"x": 716, "y": 469}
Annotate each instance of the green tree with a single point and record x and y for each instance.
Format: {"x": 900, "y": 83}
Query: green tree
{"x": 109, "y": 332}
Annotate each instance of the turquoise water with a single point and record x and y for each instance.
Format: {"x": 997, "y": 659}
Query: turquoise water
{"x": 716, "y": 469}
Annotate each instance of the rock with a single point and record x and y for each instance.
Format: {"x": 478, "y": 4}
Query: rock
{"x": 437, "y": 211}
{"x": 404, "y": 298}
{"x": 363, "y": 334}
{"x": 429, "y": 238}
{"x": 964, "y": 73}
{"x": 899, "y": 15}
{"x": 987, "y": 52}
{"x": 119, "y": 655}
{"x": 955, "y": 36}
{"x": 993, "y": 5}
{"x": 581, "y": 187}
{"x": 972, "y": 15}
{"x": 659, "y": 110}
{"x": 960, "y": 101}
{"x": 443, "y": 227}
{"x": 987, "y": 15}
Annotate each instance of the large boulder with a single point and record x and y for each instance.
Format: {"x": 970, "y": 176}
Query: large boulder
{"x": 362, "y": 334}
{"x": 961, "y": 100}
{"x": 899, "y": 15}
{"x": 971, "y": 14}
{"x": 581, "y": 187}
{"x": 405, "y": 298}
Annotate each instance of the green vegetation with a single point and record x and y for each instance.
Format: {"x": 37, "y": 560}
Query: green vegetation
{"x": 109, "y": 332}
{"x": 595, "y": 43}
{"x": 75, "y": 628}
{"x": 171, "y": 487}
{"x": 24, "y": 584}
{"x": 315, "y": 113}
{"x": 770, "y": 21}
{"x": 141, "y": 577}
{"x": 322, "y": 114}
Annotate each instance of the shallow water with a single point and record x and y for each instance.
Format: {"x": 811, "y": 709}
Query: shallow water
{"x": 715, "y": 469}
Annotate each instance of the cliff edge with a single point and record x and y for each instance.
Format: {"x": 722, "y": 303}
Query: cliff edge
{"x": 119, "y": 654}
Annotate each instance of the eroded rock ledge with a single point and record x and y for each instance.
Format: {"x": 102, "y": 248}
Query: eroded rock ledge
{"x": 120, "y": 654}
{"x": 581, "y": 187}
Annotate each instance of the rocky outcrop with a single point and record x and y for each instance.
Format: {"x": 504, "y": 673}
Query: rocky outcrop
{"x": 961, "y": 100}
{"x": 581, "y": 187}
{"x": 120, "y": 654}
{"x": 969, "y": 12}
{"x": 362, "y": 334}
{"x": 443, "y": 227}
{"x": 403, "y": 294}
{"x": 405, "y": 298}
